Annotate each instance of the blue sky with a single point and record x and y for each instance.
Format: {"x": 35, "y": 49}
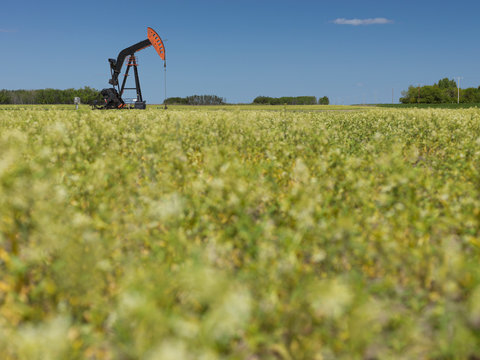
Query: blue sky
{"x": 242, "y": 49}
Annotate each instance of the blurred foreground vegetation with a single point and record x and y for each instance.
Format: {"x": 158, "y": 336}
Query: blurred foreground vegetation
{"x": 240, "y": 234}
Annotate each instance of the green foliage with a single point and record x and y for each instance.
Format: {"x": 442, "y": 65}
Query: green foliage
{"x": 286, "y": 100}
{"x": 239, "y": 234}
{"x": 196, "y": 100}
{"x": 426, "y": 95}
{"x": 444, "y": 92}
{"x": 430, "y": 106}
{"x": 49, "y": 96}
{"x": 176, "y": 101}
{"x": 470, "y": 96}
{"x": 447, "y": 83}
{"x": 5, "y": 97}
{"x": 324, "y": 100}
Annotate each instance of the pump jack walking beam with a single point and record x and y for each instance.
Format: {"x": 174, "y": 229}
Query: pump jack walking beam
{"x": 116, "y": 65}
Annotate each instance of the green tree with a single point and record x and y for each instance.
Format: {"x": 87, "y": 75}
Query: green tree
{"x": 286, "y": 100}
{"x": 470, "y": 95}
{"x": 446, "y": 83}
{"x": 5, "y": 97}
{"x": 205, "y": 100}
{"x": 262, "y": 100}
{"x": 431, "y": 95}
{"x": 409, "y": 96}
{"x": 324, "y": 100}
{"x": 445, "y": 91}
{"x": 175, "y": 101}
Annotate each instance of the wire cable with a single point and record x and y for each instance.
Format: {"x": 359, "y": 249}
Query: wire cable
{"x": 165, "y": 83}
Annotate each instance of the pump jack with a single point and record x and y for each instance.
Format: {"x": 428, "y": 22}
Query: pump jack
{"x": 113, "y": 96}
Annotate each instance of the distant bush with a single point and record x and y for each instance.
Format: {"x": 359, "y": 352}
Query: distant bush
{"x": 324, "y": 100}
{"x": 288, "y": 100}
{"x": 196, "y": 100}
{"x": 175, "y": 101}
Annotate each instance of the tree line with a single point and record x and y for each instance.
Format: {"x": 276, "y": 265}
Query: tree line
{"x": 196, "y": 100}
{"x": 49, "y": 96}
{"x": 89, "y": 95}
{"x": 291, "y": 100}
{"x": 443, "y": 92}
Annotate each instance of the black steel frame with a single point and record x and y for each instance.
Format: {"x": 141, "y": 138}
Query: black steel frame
{"x": 132, "y": 63}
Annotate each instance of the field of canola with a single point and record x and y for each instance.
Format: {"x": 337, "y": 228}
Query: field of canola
{"x": 234, "y": 234}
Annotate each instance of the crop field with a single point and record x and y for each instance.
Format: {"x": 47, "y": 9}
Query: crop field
{"x": 239, "y": 233}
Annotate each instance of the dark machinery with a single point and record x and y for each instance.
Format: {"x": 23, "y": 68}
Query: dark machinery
{"x": 113, "y": 96}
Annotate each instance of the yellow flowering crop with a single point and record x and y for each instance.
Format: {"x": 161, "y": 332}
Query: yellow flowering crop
{"x": 239, "y": 234}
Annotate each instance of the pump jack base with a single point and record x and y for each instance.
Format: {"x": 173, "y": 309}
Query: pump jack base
{"x": 112, "y": 100}
{"x": 140, "y": 105}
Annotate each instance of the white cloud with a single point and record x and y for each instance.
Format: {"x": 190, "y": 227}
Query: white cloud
{"x": 357, "y": 22}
